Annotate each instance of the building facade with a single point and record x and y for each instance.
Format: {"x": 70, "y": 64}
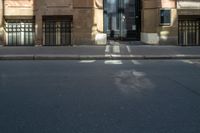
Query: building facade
{"x": 68, "y": 22}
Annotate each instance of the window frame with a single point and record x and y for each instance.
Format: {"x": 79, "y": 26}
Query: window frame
{"x": 168, "y": 23}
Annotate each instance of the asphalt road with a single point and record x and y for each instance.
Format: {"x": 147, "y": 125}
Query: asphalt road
{"x": 100, "y": 96}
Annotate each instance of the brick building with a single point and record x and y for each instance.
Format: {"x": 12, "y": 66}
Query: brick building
{"x": 68, "y": 22}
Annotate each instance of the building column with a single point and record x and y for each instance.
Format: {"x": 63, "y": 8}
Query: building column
{"x": 1, "y": 21}
{"x": 88, "y": 22}
{"x": 149, "y": 22}
{"x": 38, "y": 31}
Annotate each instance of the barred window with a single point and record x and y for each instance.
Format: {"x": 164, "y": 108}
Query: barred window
{"x": 57, "y": 30}
{"x": 20, "y": 32}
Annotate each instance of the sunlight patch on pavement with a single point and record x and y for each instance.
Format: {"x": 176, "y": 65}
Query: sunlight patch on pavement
{"x": 180, "y": 55}
{"x": 138, "y": 74}
{"x": 188, "y": 61}
{"x": 115, "y": 55}
{"x": 87, "y": 61}
{"x": 113, "y": 62}
{"x": 135, "y": 62}
{"x": 194, "y": 62}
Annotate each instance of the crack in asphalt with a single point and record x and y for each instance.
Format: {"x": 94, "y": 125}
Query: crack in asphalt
{"x": 185, "y": 87}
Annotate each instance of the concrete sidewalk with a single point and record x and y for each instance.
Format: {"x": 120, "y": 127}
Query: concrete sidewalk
{"x": 107, "y": 52}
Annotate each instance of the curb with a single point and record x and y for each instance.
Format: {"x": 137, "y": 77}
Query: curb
{"x": 97, "y": 57}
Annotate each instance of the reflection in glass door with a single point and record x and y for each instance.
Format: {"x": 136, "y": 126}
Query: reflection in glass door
{"x": 122, "y": 19}
{"x": 112, "y": 16}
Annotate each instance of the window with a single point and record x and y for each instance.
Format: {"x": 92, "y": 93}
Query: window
{"x": 20, "y": 32}
{"x": 165, "y": 17}
{"x": 57, "y": 30}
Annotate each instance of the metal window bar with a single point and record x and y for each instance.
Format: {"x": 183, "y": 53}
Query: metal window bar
{"x": 20, "y": 32}
{"x": 57, "y": 32}
{"x": 189, "y": 32}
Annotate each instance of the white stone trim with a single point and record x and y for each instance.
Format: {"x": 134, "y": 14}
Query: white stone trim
{"x": 150, "y": 38}
{"x": 101, "y": 39}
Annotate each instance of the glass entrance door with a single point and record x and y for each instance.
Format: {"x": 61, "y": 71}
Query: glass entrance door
{"x": 122, "y": 19}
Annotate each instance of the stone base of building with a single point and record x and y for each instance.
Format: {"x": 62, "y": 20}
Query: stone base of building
{"x": 150, "y": 38}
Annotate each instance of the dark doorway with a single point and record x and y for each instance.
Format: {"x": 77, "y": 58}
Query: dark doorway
{"x": 189, "y": 30}
{"x": 122, "y": 19}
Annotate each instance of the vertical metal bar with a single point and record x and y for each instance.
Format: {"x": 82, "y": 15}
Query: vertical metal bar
{"x": 44, "y": 31}
{"x": 189, "y": 33}
{"x": 54, "y": 36}
{"x": 64, "y": 33}
{"x": 24, "y": 30}
{"x": 49, "y": 31}
{"x": 183, "y": 28}
{"x": 178, "y": 32}
{"x": 193, "y": 39}
{"x": 194, "y": 28}
{"x": 8, "y": 29}
{"x": 198, "y": 32}
{"x": 194, "y": 34}
{"x": 12, "y": 34}
{"x": 190, "y": 22}
{"x": 29, "y": 33}
{"x": 14, "y": 39}
{"x": 33, "y": 28}
{"x": 182, "y": 33}
{"x": 46, "y": 35}
{"x": 46, "y": 38}
{"x": 69, "y": 33}
{"x": 184, "y": 36}
{"x": 18, "y": 28}
{"x": 16, "y": 34}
